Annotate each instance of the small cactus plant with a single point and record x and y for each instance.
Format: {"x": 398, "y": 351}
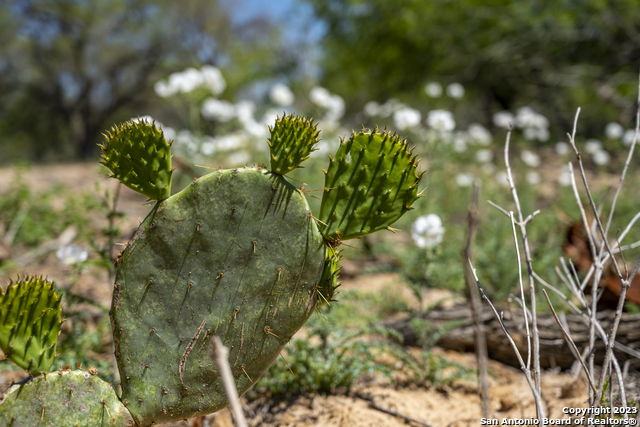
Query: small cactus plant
{"x": 237, "y": 254}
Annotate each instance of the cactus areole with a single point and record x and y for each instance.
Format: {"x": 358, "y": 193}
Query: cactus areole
{"x": 236, "y": 254}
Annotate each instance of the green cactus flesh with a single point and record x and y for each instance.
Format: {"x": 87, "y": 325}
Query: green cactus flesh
{"x": 30, "y": 318}
{"x": 291, "y": 142}
{"x": 369, "y": 184}
{"x": 236, "y": 254}
{"x": 137, "y": 155}
{"x": 70, "y": 398}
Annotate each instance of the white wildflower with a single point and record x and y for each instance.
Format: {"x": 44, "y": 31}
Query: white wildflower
{"x": 163, "y": 89}
{"x": 502, "y": 178}
{"x": 433, "y": 89}
{"x": 441, "y": 120}
{"x": 280, "y": 94}
{"x": 533, "y": 177}
{"x": 536, "y": 133}
{"x": 484, "y": 156}
{"x": 372, "y": 109}
{"x": 219, "y": 110}
{"x": 565, "y": 177}
{"x": 239, "y": 158}
{"x": 455, "y": 91}
{"x": 464, "y": 179}
{"x": 530, "y": 158}
{"x": 71, "y": 254}
{"x": 231, "y": 141}
{"x": 460, "y": 142}
{"x": 628, "y": 137}
{"x": 333, "y": 104}
{"x": 479, "y": 134}
{"x": 211, "y": 78}
{"x": 562, "y": 148}
{"x": 592, "y": 146}
{"x": 427, "y": 231}
{"x": 601, "y": 157}
{"x": 528, "y": 118}
{"x": 406, "y": 118}
{"x": 503, "y": 119}
{"x": 614, "y": 130}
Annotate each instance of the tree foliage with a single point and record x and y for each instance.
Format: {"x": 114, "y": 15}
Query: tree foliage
{"x": 556, "y": 54}
{"x": 70, "y": 68}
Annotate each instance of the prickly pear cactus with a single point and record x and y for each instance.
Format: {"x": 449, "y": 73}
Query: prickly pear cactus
{"x": 291, "y": 142}
{"x": 236, "y": 254}
{"x": 30, "y": 319}
{"x": 369, "y": 184}
{"x": 69, "y": 398}
{"x": 137, "y": 154}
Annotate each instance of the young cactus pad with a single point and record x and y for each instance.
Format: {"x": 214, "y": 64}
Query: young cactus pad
{"x": 369, "y": 184}
{"x": 236, "y": 254}
{"x": 138, "y": 155}
{"x": 68, "y": 398}
{"x": 30, "y": 318}
{"x": 292, "y": 140}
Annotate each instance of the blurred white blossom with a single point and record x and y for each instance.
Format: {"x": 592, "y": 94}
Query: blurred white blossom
{"x": 280, "y": 94}
{"x": 533, "y": 177}
{"x": 459, "y": 142}
{"x": 464, "y": 179}
{"x": 565, "y": 177}
{"x": 530, "y": 158}
{"x": 503, "y": 119}
{"x": 528, "y": 118}
{"x": 213, "y": 108}
{"x": 601, "y": 157}
{"x": 629, "y": 135}
{"x": 333, "y": 104}
{"x": 427, "y": 231}
{"x": 455, "y": 90}
{"x": 71, "y": 254}
{"x": 502, "y": 178}
{"x": 441, "y": 120}
{"x": 479, "y": 134}
{"x": 484, "y": 156}
{"x": 592, "y": 146}
{"x": 614, "y": 130}
{"x": 372, "y": 109}
{"x": 433, "y": 89}
{"x": 188, "y": 80}
{"x": 212, "y": 79}
{"x": 406, "y": 118}
{"x": 562, "y": 148}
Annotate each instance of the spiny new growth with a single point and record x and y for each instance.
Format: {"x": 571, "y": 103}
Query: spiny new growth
{"x": 30, "y": 319}
{"x": 236, "y": 254}
{"x": 137, "y": 155}
{"x": 291, "y": 142}
{"x": 370, "y": 183}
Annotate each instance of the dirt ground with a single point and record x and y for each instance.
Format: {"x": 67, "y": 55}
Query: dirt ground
{"x": 372, "y": 402}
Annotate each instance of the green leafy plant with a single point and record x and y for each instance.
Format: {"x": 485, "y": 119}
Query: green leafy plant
{"x": 236, "y": 254}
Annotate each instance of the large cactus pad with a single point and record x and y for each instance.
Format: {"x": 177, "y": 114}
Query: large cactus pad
{"x": 72, "y": 398}
{"x": 236, "y": 254}
{"x": 30, "y": 319}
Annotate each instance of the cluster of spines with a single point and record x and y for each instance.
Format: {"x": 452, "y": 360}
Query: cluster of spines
{"x": 30, "y": 319}
{"x": 371, "y": 182}
{"x": 139, "y": 156}
{"x": 329, "y": 282}
{"x": 291, "y": 142}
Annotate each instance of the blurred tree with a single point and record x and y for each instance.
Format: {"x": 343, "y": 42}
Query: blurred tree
{"x": 72, "y": 67}
{"x": 553, "y": 54}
